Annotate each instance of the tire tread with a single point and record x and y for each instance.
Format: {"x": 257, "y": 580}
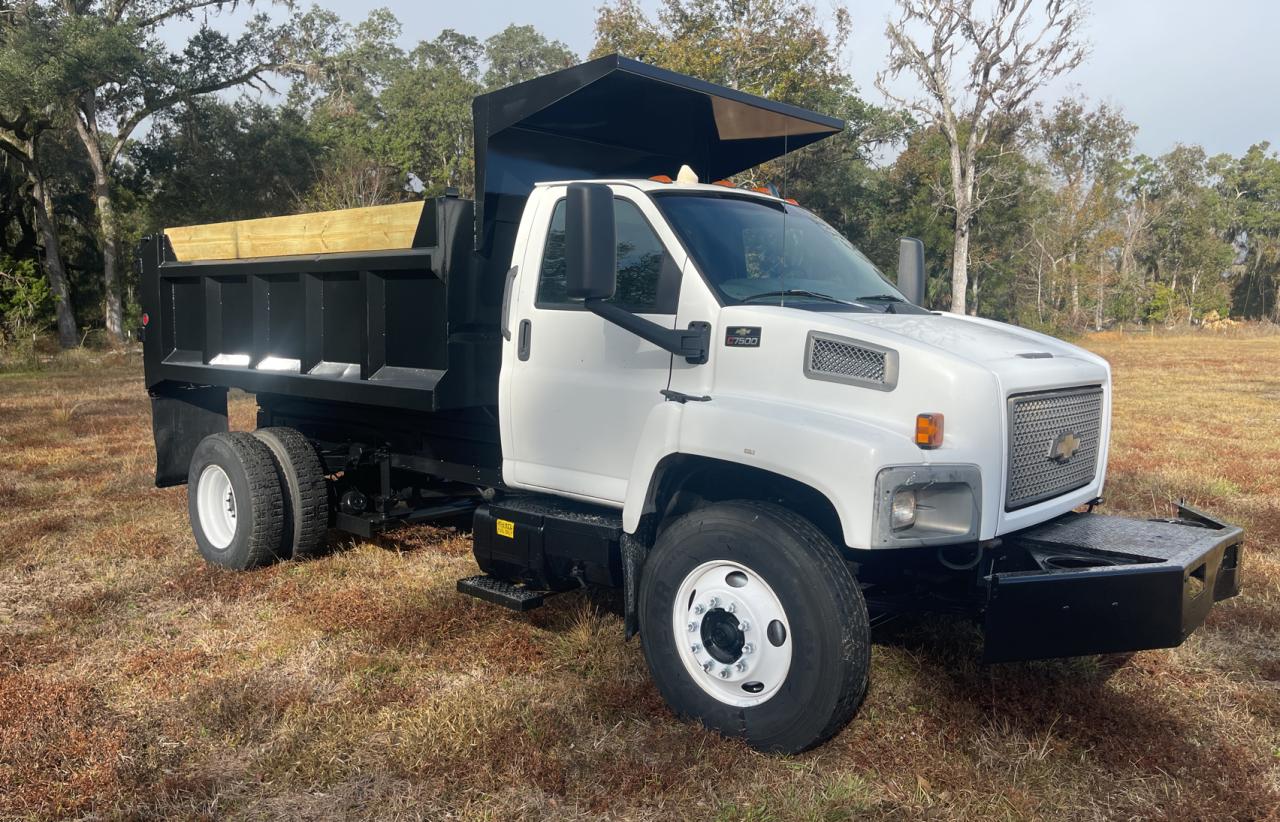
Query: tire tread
{"x": 301, "y": 476}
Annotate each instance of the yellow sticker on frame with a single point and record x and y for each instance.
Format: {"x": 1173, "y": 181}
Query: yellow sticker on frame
{"x": 506, "y": 528}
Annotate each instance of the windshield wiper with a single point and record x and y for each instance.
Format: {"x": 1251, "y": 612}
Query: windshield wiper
{"x": 887, "y": 300}
{"x": 796, "y": 292}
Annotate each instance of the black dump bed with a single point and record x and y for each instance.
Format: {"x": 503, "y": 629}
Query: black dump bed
{"x": 416, "y": 326}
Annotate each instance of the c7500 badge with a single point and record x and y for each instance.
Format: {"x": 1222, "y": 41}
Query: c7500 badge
{"x": 742, "y": 336}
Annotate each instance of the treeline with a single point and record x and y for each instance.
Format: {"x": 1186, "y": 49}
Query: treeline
{"x": 108, "y": 133}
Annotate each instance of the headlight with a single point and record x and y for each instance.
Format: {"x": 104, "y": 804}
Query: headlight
{"x": 927, "y": 505}
{"x": 903, "y": 513}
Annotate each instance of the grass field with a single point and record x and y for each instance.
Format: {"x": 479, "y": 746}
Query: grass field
{"x": 137, "y": 681}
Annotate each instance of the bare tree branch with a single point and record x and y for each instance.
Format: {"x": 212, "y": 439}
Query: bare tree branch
{"x": 127, "y": 125}
{"x": 1000, "y": 60}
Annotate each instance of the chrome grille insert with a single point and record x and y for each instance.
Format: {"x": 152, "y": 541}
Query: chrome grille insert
{"x": 837, "y": 359}
{"x": 1054, "y": 437}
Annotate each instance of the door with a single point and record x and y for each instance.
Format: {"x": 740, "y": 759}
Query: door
{"x": 580, "y": 388}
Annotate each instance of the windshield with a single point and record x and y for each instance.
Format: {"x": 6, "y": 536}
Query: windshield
{"x": 766, "y": 252}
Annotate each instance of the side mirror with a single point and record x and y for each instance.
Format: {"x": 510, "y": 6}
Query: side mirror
{"x": 590, "y": 244}
{"x": 911, "y": 270}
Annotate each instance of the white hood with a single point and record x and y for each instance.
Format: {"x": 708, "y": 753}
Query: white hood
{"x": 974, "y": 339}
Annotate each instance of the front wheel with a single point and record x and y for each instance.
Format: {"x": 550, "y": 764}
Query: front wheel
{"x": 752, "y": 623}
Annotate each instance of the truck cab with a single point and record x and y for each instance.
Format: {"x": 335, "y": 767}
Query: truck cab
{"x": 698, "y": 393}
{"x": 851, "y": 368}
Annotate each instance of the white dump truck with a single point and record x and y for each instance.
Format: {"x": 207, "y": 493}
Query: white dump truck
{"x": 628, "y": 372}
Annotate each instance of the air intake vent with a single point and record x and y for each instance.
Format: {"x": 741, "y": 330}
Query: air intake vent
{"x": 837, "y": 359}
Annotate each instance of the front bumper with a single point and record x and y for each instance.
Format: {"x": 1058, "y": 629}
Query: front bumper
{"x": 1090, "y": 584}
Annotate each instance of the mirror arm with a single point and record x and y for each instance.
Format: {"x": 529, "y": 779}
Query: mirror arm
{"x": 693, "y": 344}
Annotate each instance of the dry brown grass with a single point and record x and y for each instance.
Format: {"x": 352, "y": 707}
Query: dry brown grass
{"x": 136, "y": 681}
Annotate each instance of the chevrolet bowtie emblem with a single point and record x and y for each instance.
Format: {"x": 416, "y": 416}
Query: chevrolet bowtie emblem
{"x": 1064, "y": 447}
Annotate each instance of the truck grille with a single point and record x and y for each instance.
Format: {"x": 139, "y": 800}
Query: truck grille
{"x": 1054, "y": 438}
{"x": 850, "y": 361}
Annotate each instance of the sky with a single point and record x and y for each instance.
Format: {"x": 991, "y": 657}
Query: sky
{"x": 1185, "y": 71}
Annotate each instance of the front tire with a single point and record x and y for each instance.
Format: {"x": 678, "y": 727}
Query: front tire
{"x": 234, "y": 501}
{"x": 752, "y": 624}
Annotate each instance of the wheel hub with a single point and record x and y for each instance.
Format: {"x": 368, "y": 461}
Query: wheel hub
{"x": 726, "y": 619}
{"x": 722, "y": 635}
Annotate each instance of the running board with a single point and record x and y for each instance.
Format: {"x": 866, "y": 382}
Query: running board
{"x": 501, "y": 592}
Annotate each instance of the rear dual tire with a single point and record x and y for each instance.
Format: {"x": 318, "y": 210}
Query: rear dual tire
{"x": 304, "y": 492}
{"x": 753, "y": 625}
{"x": 257, "y": 498}
{"x": 234, "y": 501}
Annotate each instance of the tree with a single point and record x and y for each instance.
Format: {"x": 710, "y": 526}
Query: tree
{"x": 29, "y": 87}
{"x": 1188, "y": 253}
{"x": 913, "y": 198}
{"x": 519, "y": 53}
{"x": 338, "y": 95}
{"x": 132, "y": 76}
{"x": 977, "y": 72}
{"x": 1084, "y": 152}
{"x": 1251, "y": 186}
{"x": 207, "y": 161}
{"x": 772, "y": 48}
{"x": 427, "y": 132}
{"x": 783, "y": 51}
{"x": 17, "y": 231}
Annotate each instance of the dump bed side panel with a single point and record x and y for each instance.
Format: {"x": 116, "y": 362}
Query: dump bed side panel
{"x": 370, "y": 327}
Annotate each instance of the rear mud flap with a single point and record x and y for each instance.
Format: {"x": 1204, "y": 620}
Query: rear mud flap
{"x": 181, "y": 416}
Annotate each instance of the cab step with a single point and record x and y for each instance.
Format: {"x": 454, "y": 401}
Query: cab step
{"x": 501, "y": 592}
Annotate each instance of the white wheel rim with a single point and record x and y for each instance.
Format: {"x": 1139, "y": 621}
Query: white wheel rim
{"x": 721, "y": 601}
{"x": 216, "y": 505}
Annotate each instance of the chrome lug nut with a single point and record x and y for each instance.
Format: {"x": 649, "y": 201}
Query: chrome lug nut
{"x": 699, "y": 609}
{"x": 731, "y": 607}
{"x": 697, "y": 649}
{"x": 693, "y": 626}
{"x": 748, "y": 648}
{"x": 724, "y": 673}
{"x": 741, "y": 666}
{"x": 715, "y": 602}
{"x": 708, "y": 665}
{"x": 744, "y": 626}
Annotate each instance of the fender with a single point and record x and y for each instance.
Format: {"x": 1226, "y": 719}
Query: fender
{"x": 813, "y": 447}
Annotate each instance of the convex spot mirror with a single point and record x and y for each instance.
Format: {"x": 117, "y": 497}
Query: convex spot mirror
{"x": 590, "y": 243}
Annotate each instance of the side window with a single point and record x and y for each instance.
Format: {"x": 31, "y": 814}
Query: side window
{"x": 648, "y": 280}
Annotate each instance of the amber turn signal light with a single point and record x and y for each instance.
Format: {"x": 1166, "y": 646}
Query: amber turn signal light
{"x": 929, "y": 430}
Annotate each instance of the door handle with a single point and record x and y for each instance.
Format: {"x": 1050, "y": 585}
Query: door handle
{"x": 522, "y": 347}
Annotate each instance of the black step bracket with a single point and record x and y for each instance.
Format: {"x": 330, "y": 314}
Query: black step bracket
{"x": 501, "y": 592}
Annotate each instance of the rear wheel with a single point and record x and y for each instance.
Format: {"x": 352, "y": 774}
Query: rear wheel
{"x": 234, "y": 501}
{"x": 752, "y": 623}
{"x": 304, "y": 489}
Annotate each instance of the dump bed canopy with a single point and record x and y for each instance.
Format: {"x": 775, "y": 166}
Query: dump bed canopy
{"x": 614, "y": 117}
